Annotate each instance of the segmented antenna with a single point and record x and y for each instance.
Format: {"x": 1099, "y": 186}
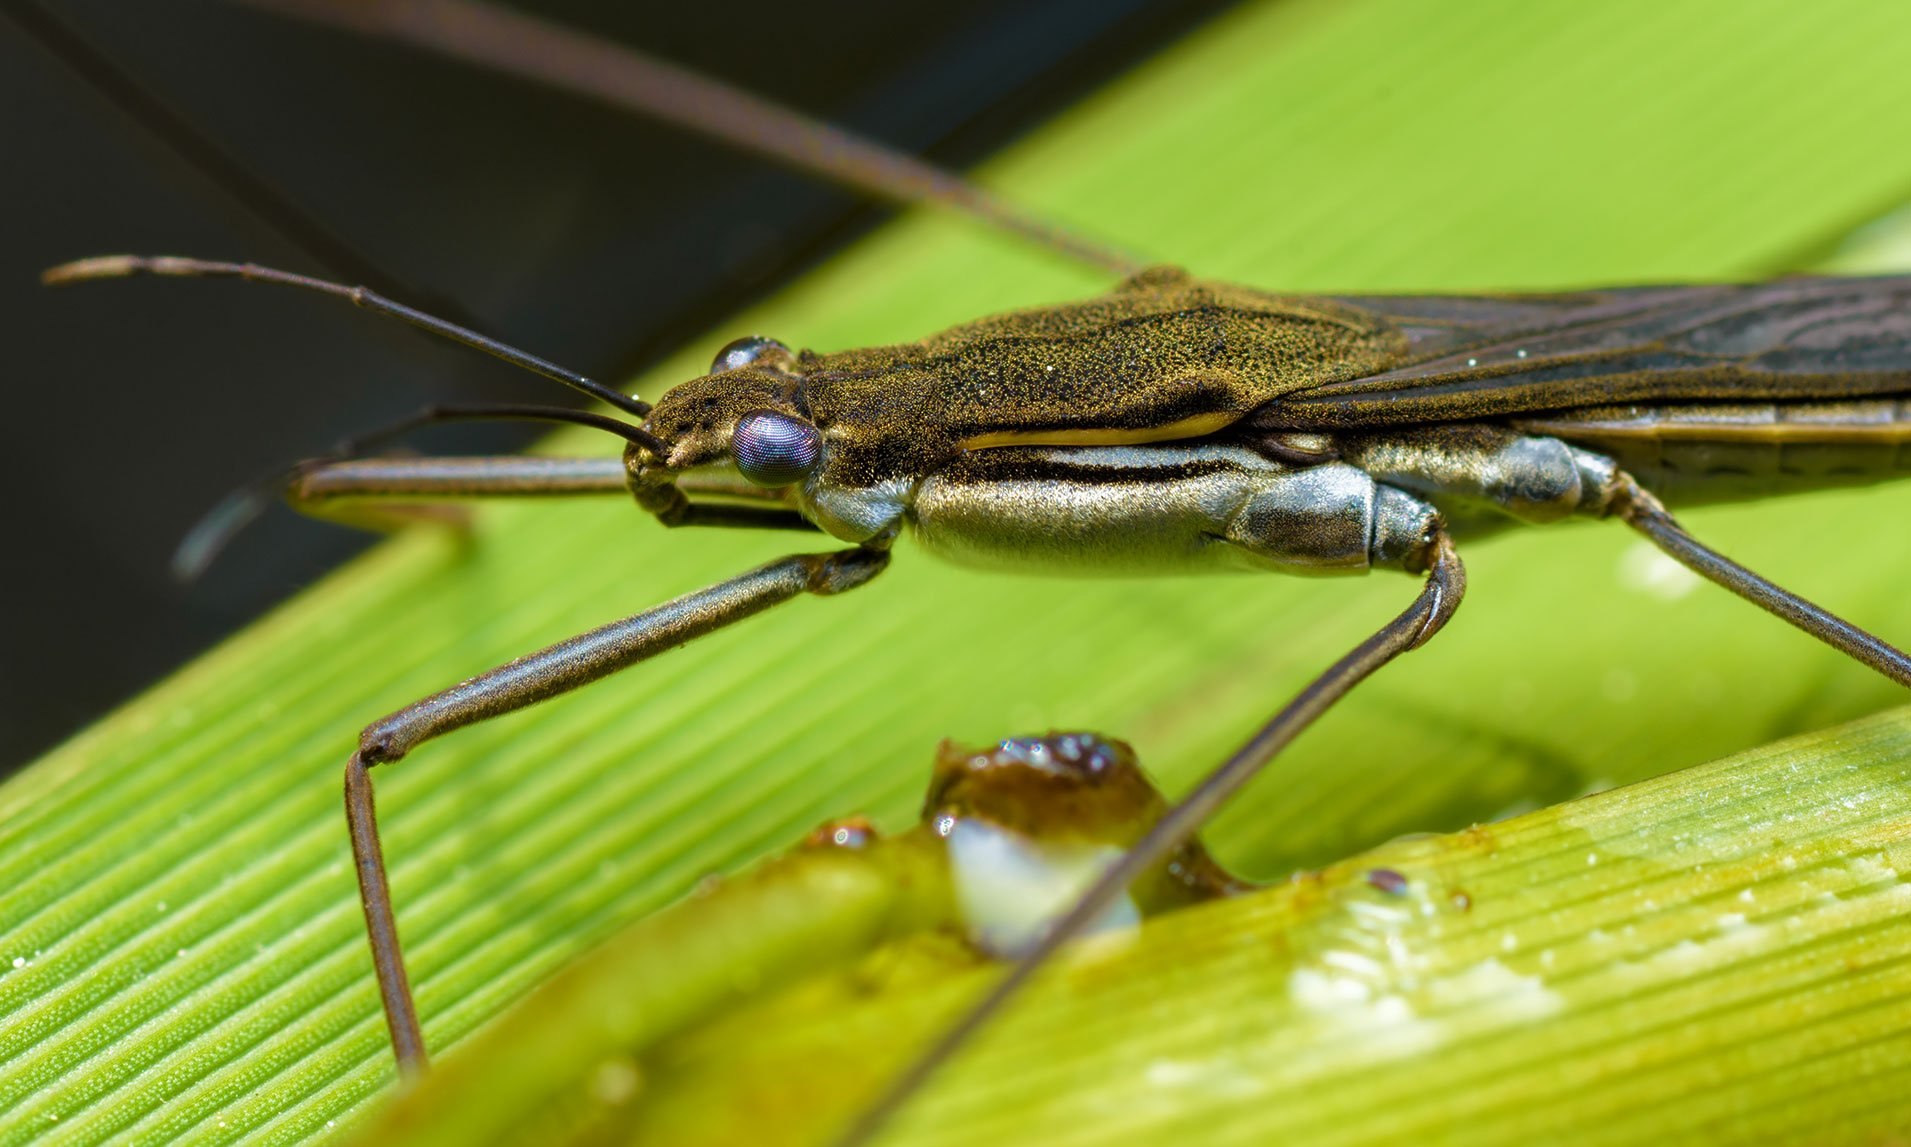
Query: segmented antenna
{"x": 123, "y": 266}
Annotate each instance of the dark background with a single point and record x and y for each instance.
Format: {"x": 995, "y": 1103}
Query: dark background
{"x": 587, "y": 236}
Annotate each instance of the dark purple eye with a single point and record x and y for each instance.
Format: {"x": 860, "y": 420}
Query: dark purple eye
{"x": 774, "y": 449}
{"x": 748, "y": 351}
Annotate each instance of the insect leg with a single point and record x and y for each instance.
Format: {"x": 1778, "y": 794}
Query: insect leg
{"x": 1439, "y": 598}
{"x": 528, "y": 680}
{"x": 433, "y": 479}
{"x": 622, "y": 77}
{"x": 210, "y": 535}
{"x": 335, "y": 489}
{"x": 1539, "y": 479}
{"x": 383, "y": 494}
{"x": 1648, "y": 515}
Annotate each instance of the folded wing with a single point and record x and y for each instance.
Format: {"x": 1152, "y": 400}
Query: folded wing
{"x": 1472, "y": 357}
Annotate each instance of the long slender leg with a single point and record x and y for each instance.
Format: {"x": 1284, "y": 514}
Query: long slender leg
{"x": 528, "y": 680}
{"x": 436, "y": 478}
{"x": 342, "y": 490}
{"x": 386, "y": 494}
{"x": 559, "y": 57}
{"x": 481, "y": 478}
{"x": 1648, "y": 515}
{"x": 256, "y": 194}
{"x": 1445, "y": 585}
{"x": 325, "y": 489}
{"x": 383, "y": 494}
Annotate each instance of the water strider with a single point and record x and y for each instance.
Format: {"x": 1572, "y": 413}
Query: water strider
{"x": 1176, "y": 423}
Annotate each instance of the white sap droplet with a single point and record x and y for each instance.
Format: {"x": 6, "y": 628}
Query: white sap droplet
{"x": 1009, "y": 887}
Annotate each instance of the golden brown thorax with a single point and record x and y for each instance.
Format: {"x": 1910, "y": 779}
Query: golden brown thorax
{"x": 1164, "y": 356}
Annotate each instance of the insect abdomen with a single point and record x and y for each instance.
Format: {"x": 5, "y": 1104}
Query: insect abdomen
{"x": 1717, "y": 452}
{"x": 1165, "y": 508}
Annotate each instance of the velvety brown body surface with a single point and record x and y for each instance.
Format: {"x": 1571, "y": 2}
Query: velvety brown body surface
{"x": 1163, "y": 357}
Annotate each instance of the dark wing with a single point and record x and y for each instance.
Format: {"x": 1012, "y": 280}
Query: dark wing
{"x": 1494, "y": 356}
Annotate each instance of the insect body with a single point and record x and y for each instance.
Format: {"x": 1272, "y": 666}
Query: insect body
{"x": 1180, "y": 424}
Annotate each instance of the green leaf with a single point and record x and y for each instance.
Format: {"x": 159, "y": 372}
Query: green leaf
{"x": 1717, "y": 955}
{"x": 180, "y": 948}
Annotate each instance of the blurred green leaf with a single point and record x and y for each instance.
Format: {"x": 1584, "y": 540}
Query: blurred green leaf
{"x": 180, "y": 948}
{"x": 1718, "y": 955}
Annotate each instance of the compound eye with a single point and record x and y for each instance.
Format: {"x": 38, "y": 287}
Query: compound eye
{"x": 751, "y": 350}
{"x": 774, "y": 449}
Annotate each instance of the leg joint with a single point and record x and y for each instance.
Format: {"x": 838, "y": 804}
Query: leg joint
{"x": 381, "y": 744}
{"x": 845, "y": 570}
